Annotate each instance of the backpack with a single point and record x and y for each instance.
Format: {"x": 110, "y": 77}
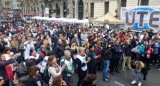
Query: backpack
{"x": 46, "y": 75}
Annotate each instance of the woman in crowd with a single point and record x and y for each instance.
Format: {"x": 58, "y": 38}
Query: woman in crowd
{"x": 89, "y": 80}
{"x": 82, "y": 62}
{"x": 34, "y": 77}
{"x": 58, "y": 81}
{"x": 140, "y": 52}
{"x": 3, "y": 65}
{"x": 7, "y": 53}
{"x": 140, "y": 70}
{"x": 33, "y": 54}
{"x": 107, "y": 55}
{"x": 42, "y": 51}
{"x": 54, "y": 69}
{"x": 14, "y": 44}
{"x": 98, "y": 50}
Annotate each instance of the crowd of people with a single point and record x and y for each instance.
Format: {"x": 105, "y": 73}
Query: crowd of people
{"x": 51, "y": 53}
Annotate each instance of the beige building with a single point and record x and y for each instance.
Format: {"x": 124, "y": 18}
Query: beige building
{"x": 82, "y": 9}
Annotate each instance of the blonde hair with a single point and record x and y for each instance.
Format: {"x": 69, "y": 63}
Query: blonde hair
{"x": 80, "y": 49}
{"x": 73, "y": 46}
{"x": 139, "y": 64}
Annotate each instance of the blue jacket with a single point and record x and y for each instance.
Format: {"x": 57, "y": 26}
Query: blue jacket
{"x": 117, "y": 53}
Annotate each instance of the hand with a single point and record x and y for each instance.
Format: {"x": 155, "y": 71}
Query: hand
{"x": 96, "y": 57}
{"x": 133, "y": 70}
{"x": 73, "y": 72}
{"x": 88, "y": 59}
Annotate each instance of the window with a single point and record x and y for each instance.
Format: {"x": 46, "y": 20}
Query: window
{"x": 106, "y": 7}
{"x": 123, "y": 3}
{"x": 144, "y": 2}
{"x": 92, "y": 9}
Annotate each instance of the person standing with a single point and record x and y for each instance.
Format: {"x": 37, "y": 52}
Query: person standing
{"x": 59, "y": 51}
{"x": 69, "y": 70}
{"x": 54, "y": 69}
{"x": 4, "y": 66}
{"x": 128, "y": 52}
{"x": 82, "y": 62}
{"x": 93, "y": 61}
{"x": 107, "y": 55}
{"x": 76, "y": 40}
{"x": 115, "y": 60}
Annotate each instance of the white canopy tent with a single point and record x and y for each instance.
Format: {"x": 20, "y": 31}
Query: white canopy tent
{"x": 63, "y": 20}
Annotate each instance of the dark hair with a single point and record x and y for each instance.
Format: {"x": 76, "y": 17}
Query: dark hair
{"x": 33, "y": 70}
{"x": 57, "y": 81}
{"x": 91, "y": 46}
{"x": 88, "y": 80}
{"x": 50, "y": 53}
{"x": 6, "y": 49}
{"x": 31, "y": 51}
{"x": 29, "y": 63}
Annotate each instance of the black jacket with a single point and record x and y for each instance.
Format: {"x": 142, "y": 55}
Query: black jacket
{"x": 59, "y": 51}
{"x": 31, "y": 82}
{"x": 107, "y": 53}
{"x": 80, "y": 72}
{"x": 133, "y": 42}
{"x": 127, "y": 49}
{"x": 2, "y": 46}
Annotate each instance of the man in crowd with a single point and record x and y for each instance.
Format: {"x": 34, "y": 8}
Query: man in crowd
{"x": 69, "y": 70}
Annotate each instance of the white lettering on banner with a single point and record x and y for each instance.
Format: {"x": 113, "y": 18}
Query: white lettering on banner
{"x": 141, "y": 17}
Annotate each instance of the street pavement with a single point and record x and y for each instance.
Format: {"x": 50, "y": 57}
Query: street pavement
{"x": 119, "y": 79}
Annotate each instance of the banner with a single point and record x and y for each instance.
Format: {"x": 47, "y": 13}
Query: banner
{"x": 141, "y": 17}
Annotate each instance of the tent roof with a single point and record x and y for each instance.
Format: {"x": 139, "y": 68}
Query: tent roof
{"x": 109, "y": 19}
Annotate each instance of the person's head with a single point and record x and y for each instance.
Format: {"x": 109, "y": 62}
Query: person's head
{"x": 139, "y": 65}
{"x": 75, "y": 36}
{"x": 98, "y": 43}
{"x": 73, "y": 45}
{"x": 1, "y": 81}
{"x": 14, "y": 38}
{"x": 57, "y": 81}
{"x": 135, "y": 37}
{"x": 50, "y": 53}
{"x": 67, "y": 53}
{"x": 91, "y": 47}
{"x": 81, "y": 51}
{"x": 89, "y": 80}
{"x": 32, "y": 52}
{"x": 42, "y": 48}
{"x": 127, "y": 41}
{"x": 109, "y": 45}
{"x": 51, "y": 61}
{"x": 2, "y": 57}
{"x": 33, "y": 71}
{"x": 117, "y": 43}
{"x": 7, "y": 50}
{"x": 59, "y": 41}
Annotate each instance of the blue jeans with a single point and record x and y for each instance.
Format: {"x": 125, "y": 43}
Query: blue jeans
{"x": 159, "y": 63}
{"x": 140, "y": 75}
{"x": 106, "y": 66}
